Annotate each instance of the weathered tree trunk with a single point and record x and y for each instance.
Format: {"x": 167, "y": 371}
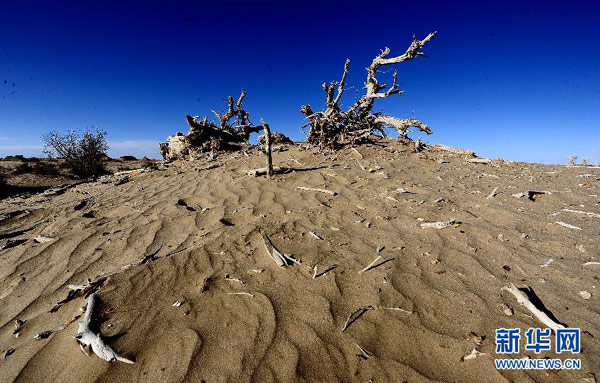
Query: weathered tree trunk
{"x": 205, "y": 136}
{"x": 268, "y": 149}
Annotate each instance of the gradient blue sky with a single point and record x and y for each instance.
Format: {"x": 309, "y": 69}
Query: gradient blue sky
{"x": 513, "y": 79}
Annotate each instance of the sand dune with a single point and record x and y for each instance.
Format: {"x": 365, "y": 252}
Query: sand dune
{"x": 208, "y": 223}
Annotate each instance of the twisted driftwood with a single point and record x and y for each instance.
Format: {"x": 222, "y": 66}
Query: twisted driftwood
{"x": 334, "y": 127}
{"x": 86, "y": 337}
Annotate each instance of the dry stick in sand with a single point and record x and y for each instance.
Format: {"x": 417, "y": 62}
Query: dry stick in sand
{"x": 317, "y": 275}
{"x": 357, "y": 152}
{"x": 86, "y": 337}
{"x": 79, "y": 291}
{"x": 364, "y": 354}
{"x": 241, "y": 293}
{"x": 591, "y": 263}
{"x": 354, "y": 315}
{"x": 374, "y": 264}
{"x": 229, "y": 278}
{"x": 315, "y": 235}
{"x": 315, "y": 189}
{"x": 281, "y": 259}
{"x": 569, "y": 226}
{"x": 268, "y": 148}
{"x": 493, "y": 193}
{"x": 523, "y": 299}
{"x": 590, "y": 214}
{"x": 437, "y": 225}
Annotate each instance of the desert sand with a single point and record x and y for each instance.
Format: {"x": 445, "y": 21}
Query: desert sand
{"x": 432, "y": 297}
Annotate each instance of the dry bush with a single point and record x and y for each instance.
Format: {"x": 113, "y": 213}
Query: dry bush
{"x": 23, "y": 168}
{"x": 84, "y": 155}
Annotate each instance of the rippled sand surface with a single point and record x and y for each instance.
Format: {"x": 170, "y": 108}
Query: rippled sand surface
{"x": 430, "y": 289}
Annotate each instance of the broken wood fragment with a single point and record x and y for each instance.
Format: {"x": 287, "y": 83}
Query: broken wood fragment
{"x": 229, "y": 278}
{"x": 524, "y": 300}
{"x": 567, "y": 225}
{"x": 479, "y": 160}
{"x": 315, "y": 235}
{"x": 530, "y": 194}
{"x": 374, "y": 264}
{"x": 77, "y": 291}
{"x": 364, "y": 354}
{"x": 46, "y": 334}
{"x": 591, "y": 263}
{"x": 43, "y": 239}
{"x": 354, "y": 315}
{"x": 438, "y": 225}
{"x": 493, "y": 193}
{"x": 589, "y": 214}
{"x": 317, "y": 275}
{"x": 317, "y": 190}
{"x": 472, "y": 355}
{"x": 241, "y": 293}
{"x": 88, "y": 338}
{"x": 453, "y": 150}
{"x": 280, "y": 259}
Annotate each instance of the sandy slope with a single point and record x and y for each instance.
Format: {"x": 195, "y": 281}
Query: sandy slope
{"x": 290, "y": 329}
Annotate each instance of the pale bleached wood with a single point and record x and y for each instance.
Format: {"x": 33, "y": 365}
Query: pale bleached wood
{"x": 268, "y": 148}
{"x": 317, "y": 190}
{"x": 523, "y": 299}
{"x": 87, "y": 338}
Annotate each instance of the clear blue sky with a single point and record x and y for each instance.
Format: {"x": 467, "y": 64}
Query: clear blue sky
{"x": 513, "y": 79}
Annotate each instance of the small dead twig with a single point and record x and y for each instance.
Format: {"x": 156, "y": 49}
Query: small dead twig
{"x": 569, "y": 226}
{"x": 315, "y": 235}
{"x": 317, "y": 275}
{"x": 374, "y": 264}
{"x": 364, "y": 354}
{"x": 281, "y": 259}
{"x": 354, "y": 315}
{"x": 228, "y": 278}
{"x": 438, "y": 225}
{"x": 493, "y": 193}
{"x": 357, "y": 152}
{"x": 589, "y": 214}
{"x": 317, "y": 190}
{"x": 241, "y": 293}
{"x": 79, "y": 291}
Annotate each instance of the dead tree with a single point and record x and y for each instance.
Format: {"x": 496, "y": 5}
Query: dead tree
{"x": 268, "y": 149}
{"x": 334, "y": 128}
{"x": 232, "y": 130}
